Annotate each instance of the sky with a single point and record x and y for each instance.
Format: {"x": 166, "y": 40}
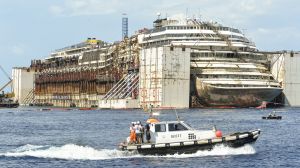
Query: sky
{"x": 31, "y": 29}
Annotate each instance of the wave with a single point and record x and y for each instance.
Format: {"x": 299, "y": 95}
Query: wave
{"x": 220, "y": 150}
{"x": 76, "y": 152}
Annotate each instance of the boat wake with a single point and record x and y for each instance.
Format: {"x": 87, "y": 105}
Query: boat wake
{"x": 76, "y": 152}
{"x": 220, "y": 150}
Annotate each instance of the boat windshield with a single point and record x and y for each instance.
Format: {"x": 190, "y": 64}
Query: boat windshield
{"x": 176, "y": 127}
{"x": 188, "y": 125}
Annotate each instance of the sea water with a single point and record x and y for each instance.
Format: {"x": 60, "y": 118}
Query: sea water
{"x": 31, "y": 137}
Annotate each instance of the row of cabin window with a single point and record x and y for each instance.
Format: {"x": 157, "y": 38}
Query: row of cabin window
{"x": 107, "y": 59}
{"x": 171, "y": 127}
{"x": 88, "y": 57}
{"x": 192, "y": 35}
{"x": 167, "y": 41}
{"x": 75, "y": 51}
{"x": 196, "y": 27}
{"x": 99, "y": 63}
{"x": 229, "y": 55}
{"x": 238, "y": 76}
{"x": 164, "y": 42}
{"x": 189, "y": 39}
{"x": 80, "y": 45}
{"x": 226, "y": 85}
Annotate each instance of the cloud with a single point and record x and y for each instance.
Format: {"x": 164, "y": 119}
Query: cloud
{"x": 263, "y": 20}
{"x": 276, "y": 38}
{"x": 234, "y": 11}
{"x": 56, "y": 10}
{"x": 86, "y": 7}
{"x": 281, "y": 32}
{"x": 264, "y": 31}
{"x": 18, "y": 49}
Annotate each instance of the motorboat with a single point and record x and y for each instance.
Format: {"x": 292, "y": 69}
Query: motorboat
{"x": 178, "y": 137}
{"x": 272, "y": 116}
{"x": 8, "y": 103}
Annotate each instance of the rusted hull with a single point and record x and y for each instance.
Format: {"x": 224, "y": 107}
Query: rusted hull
{"x": 235, "y": 97}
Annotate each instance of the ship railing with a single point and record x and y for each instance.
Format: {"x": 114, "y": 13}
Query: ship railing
{"x": 215, "y": 30}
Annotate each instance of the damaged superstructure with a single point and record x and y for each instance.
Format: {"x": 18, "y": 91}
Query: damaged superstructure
{"x": 80, "y": 75}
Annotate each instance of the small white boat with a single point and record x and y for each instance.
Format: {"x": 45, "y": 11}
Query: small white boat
{"x": 177, "y": 137}
{"x": 272, "y": 116}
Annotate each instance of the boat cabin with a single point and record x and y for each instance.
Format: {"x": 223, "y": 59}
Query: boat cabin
{"x": 176, "y": 131}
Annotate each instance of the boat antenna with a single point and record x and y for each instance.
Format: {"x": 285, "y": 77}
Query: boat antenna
{"x": 177, "y": 117}
{"x": 151, "y": 111}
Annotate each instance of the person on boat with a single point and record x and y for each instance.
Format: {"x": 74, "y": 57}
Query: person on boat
{"x": 132, "y": 134}
{"x": 176, "y": 127}
{"x": 138, "y": 132}
{"x": 142, "y": 129}
{"x": 147, "y": 131}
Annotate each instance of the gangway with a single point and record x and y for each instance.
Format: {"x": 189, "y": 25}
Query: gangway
{"x": 124, "y": 88}
{"x": 29, "y": 99}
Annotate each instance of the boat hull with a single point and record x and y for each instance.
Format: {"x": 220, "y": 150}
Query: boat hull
{"x": 235, "y": 97}
{"x": 9, "y": 105}
{"x": 272, "y": 118}
{"x": 235, "y": 140}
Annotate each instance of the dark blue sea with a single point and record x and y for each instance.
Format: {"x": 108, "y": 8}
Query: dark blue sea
{"x": 65, "y": 138}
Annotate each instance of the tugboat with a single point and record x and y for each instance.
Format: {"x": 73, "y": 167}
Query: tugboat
{"x": 272, "y": 116}
{"x": 177, "y": 137}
